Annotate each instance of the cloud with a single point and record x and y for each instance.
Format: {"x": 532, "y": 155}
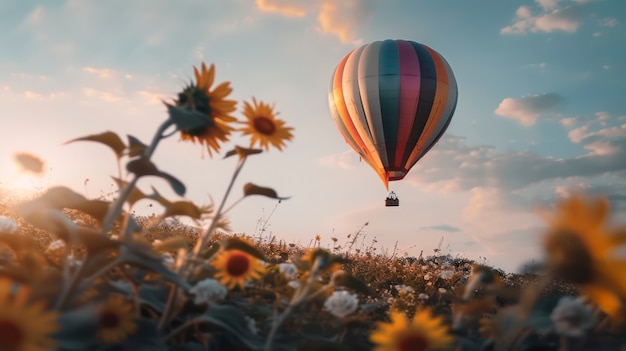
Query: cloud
{"x": 345, "y": 160}
{"x": 609, "y": 22}
{"x": 102, "y": 73}
{"x": 102, "y": 95}
{"x": 289, "y": 8}
{"x": 551, "y": 19}
{"x": 527, "y": 110}
{"x": 342, "y": 18}
{"x": 443, "y": 228}
{"x": 515, "y": 177}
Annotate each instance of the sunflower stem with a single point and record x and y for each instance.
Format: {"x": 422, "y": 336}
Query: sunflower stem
{"x": 169, "y": 307}
{"x": 204, "y": 238}
{"x": 116, "y": 208}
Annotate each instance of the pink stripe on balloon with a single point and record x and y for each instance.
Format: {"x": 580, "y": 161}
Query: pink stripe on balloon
{"x": 409, "y": 94}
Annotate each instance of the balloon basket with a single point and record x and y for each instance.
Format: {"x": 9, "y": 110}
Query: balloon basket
{"x": 392, "y": 200}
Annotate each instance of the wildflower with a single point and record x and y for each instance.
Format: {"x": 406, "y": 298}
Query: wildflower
{"x": 423, "y": 332}
{"x": 447, "y": 274}
{"x": 208, "y": 290}
{"x": 289, "y": 270}
{"x": 427, "y": 276}
{"x": 24, "y": 326}
{"x": 294, "y": 284}
{"x": 442, "y": 290}
{"x": 7, "y": 225}
{"x": 318, "y": 237}
{"x": 579, "y": 249}
{"x": 264, "y": 127}
{"x": 572, "y": 317}
{"x": 404, "y": 289}
{"x": 234, "y": 267}
{"x": 341, "y": 303}
{"x": 422, "y": 296}
{"x": 212, "y": 104}
{"x": 116, "y": 320}
{"x": 55, "y": 245}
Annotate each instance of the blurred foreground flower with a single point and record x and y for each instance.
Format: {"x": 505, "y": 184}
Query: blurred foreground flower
{"x": 341, "y": 303}
{"x": 24, "y": 326}
{"x": 116, "y": 320}
{"x": 572, "y": 317}
{"x": 208, "y": 290}
{"x": 263, "y": 126}
{"x": 7, "y": 225}
{"x": 235, "y": 267}
{"x": 213, "y": 105}
{"x": 423, "y": 332}
{"x": 579, "y": 248}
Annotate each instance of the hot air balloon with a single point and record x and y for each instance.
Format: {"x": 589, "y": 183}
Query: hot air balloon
{"x": 392, "y": 100}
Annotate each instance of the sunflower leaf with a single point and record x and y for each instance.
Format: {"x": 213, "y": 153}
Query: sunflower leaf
{"x": 183, "y": 208}
{"x": 177, "y": 185}
{"x": 171, "y": 244}
{"x": 186, "y": 119}
{"x": 159, "y": 198}
{"x": 147, "y": 337}
{"x": 135, "y": 194}
{"x": 346, "y": 280}
{"x": 137, "y": 257}
{"x": 253, "y": 189}
{"x": 233, "y": 321}
{"x": 142, "y": 166}
{"x": 78, "y": 329}
{"x": 237, "y": 244}
{"x": 135, "y": 146}
{"x": 29, "y": 162}
{"x": 95, "y": 242}
{"x": 18, "y": 243}
{"x": 109, "y": 139}
{"x": 242, "y": 152}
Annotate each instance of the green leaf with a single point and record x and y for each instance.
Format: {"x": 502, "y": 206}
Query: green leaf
{"x": 154, "y": 296}
{"x": 242, "y": 152}
{"x": 135, "y": 193}
{"x": 341, "y": 278}
{"x": 135, "y": 146}
{"x": 233, "y": 321}
{"x": 29, "y": 162}
{"x": 78, "y": 329}
{"x": 109, "y": 139}
{"x": 141, "y": 258}
{"x": 237, "y": 244}
{"x": 147, "y": 337}
{"x": 142, "y": 166}
{"x": 183, "y": 208}
{"x": 253, "y": 189}
{"x": 95, "y": 242}
{"x": 186, "y": 119}
{"x": 177, "y": 185}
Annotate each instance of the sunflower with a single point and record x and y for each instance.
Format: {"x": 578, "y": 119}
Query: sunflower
{"x": 24, "y": 325}
{"x": 579, "y": 249}
{"x": 422, "y": 332}
{"x": 234, "y": 267}
{"x": 116, "y": 320}
{"x": 263, "y": 126}
{"x": 212, "y": 104}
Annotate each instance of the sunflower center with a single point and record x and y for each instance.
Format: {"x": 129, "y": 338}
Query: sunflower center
{"x": 11, "y": 335}
{"x": 238, "y": 264}
{"x": 109, "y": 319}
{"x": 413, "y": 342}
{"x": 264, "y": 125}
{"x": 569, "y": 257}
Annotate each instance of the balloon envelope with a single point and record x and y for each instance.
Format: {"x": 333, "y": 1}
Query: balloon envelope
{"x": 392, "y": 100}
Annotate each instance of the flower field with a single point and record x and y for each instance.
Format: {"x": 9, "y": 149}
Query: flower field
{"x": 87, "y": 274}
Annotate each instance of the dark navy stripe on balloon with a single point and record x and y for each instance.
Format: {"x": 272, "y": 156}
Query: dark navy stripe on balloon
{"x": 389, "y": 88}
{"x": 428, "y": 87}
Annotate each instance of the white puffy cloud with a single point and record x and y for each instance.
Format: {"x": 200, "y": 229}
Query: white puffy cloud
{"x": 528, "y": 109}
{"x": 345, "y": 160}
{"x": 551, "y": 18}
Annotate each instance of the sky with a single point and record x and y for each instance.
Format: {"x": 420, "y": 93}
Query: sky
{"x": 541, "y": 111}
